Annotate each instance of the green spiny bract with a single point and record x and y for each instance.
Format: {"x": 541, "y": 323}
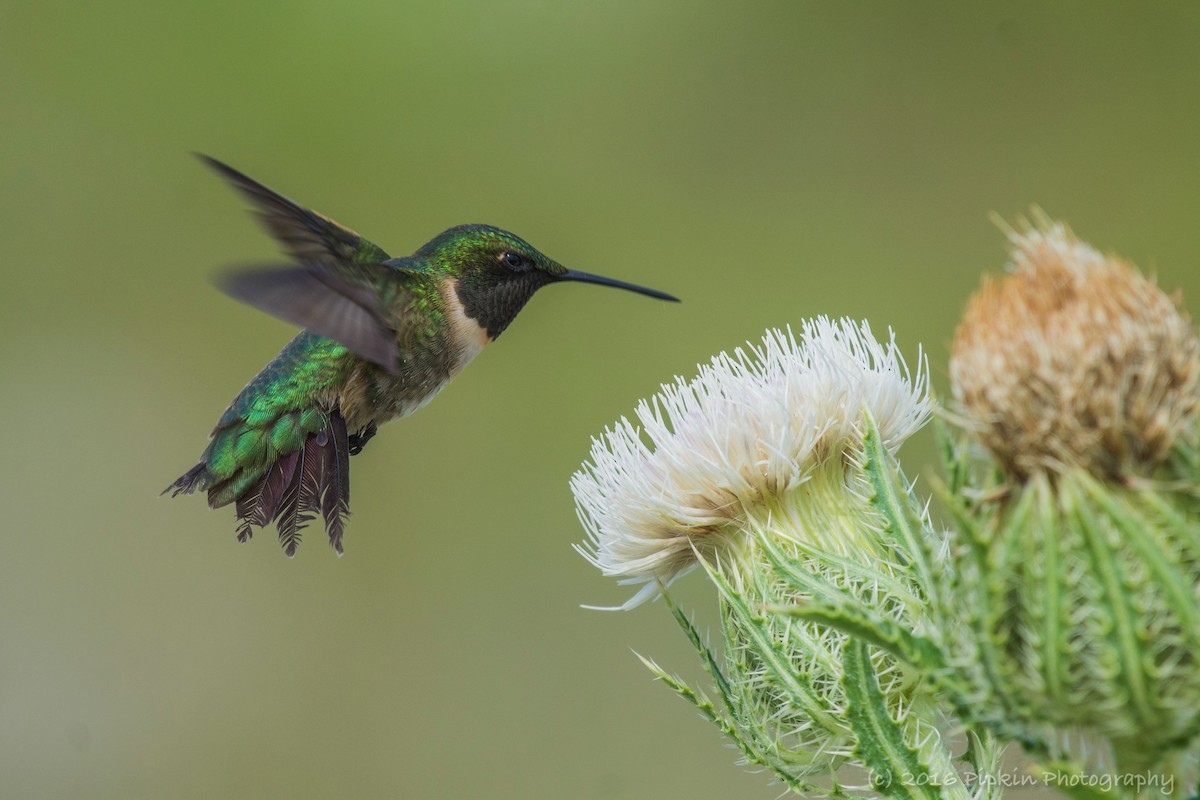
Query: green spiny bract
{"x": 1082, "y": 611}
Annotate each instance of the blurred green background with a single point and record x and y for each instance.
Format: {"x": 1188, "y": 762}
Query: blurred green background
{"x": 765, "y": 161}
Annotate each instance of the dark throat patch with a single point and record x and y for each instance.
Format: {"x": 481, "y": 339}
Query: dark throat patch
{"x": 494, "y": 301}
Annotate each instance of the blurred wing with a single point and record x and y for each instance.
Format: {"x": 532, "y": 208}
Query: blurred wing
{"x": 320, "y": 301}
{"x": 307, "y": 235}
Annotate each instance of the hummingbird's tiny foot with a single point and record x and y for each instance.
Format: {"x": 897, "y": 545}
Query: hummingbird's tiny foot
{"x": 359, "y": 440}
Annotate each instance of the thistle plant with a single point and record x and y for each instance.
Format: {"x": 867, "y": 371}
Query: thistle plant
{"x": 862, "y": 649}
{"x": 773, "y": 471}
{"x": 1080, "y": 557}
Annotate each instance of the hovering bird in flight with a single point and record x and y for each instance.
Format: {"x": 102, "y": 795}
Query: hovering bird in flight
{"x": 381, "y": 337}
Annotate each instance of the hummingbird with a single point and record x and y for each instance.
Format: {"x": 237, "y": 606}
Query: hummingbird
{"x": 382, "y": 336}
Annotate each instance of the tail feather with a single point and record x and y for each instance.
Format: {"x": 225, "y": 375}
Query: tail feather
{"x": 335, "y": 494}
{"x": 305, "y": 499}
{"x": 274, "y": 487}
{"x": 188, "y": 482}
{"x": 288, "y": 519}
{"x": 313, "y": 479}
{"x": 258, "y": 506}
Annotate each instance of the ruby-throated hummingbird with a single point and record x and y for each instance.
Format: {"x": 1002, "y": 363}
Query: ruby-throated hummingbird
{"x": 382, "y": 336}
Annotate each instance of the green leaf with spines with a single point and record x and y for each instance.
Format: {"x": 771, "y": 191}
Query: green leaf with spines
{"x": 740, "y": 730}
{"x": 1173, "y": 520}
{"x": 756, "y": 714}
{"x": 892, "y": 498}
{"x": 805, "y": 571}
{"x": 976, "y": 680}
{"x": 995, "y": 580}
{"x": 969, "y": 528}
{"x": 1167, "y": 575}
{"x": 1048, "y": 613}
{"x": 710, "y": 712}
{"x": 954, "y": 461}
{"x": 896, "y": 769}
{"x": 773, "y": 658}
{"x": 838, "y": 608}
{"x": 882, "y": 633}
{"x": 707, "y": 659}
{"x": 1123, "y": 635}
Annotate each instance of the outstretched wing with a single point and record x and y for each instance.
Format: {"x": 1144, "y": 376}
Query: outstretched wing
{"x": 307, "y": 235}
{"x": 336, "y": 291}
{"x": 315, "y": 298}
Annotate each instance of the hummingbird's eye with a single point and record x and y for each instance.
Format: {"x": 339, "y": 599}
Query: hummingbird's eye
{"x": 512, "y": 259}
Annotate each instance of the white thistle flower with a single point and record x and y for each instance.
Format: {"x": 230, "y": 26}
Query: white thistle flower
{"x": 748, "y": 430}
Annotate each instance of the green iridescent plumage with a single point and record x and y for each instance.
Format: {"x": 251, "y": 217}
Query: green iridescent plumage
{"x": 274, "y": 414}
{"x": 382, "y": 336}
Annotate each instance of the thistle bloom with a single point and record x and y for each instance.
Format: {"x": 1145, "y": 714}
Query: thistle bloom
{"x": 1074, "y": 358}
{"x": 773, "y": 470}
{"x": 749, "y": 429}
{"x": 1080, "y": 578}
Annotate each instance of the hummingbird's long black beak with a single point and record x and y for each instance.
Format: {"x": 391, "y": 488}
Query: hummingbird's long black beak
{"x": 587, "y": 277}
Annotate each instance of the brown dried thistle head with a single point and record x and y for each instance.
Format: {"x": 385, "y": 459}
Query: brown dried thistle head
{"x": 1075, "y": 359}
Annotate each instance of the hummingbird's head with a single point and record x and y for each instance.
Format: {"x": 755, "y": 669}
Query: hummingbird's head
{"x": 496, "y": 272}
